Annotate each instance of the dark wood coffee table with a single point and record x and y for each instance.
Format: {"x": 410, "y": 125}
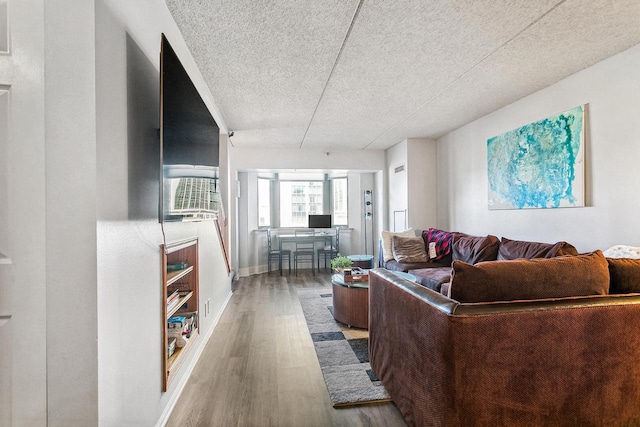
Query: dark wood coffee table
{"x": 350, "y": 302}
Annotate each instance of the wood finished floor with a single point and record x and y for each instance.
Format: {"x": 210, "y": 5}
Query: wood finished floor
{"x": 260, "y": 368}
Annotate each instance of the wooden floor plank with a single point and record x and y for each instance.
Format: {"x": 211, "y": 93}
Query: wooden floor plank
{"x": 260, "y": 368}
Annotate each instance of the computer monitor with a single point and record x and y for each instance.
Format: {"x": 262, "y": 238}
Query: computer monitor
{"x": 319, "y": 221}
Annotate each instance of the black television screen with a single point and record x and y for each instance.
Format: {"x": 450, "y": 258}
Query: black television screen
{"x": 319, "y": 221}
{"x": 189, "y": 140}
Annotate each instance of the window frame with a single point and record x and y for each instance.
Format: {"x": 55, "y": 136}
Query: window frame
{"x": 332, "y": 200}
{"x": 327, "y": 199}
{"x": 271, "y": 204}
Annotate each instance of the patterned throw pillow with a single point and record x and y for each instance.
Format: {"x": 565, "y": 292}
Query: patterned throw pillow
{"x": 437, "y": 243}
{"x": 408, "y": 249}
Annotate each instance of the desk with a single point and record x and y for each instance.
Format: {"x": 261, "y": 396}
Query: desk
{"x": 326, "y": 238}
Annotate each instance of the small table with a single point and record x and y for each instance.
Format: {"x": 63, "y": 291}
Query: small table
{"x": 350, "y": 302}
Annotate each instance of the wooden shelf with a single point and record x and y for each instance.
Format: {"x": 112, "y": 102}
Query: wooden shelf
{"x": 174, "y": 276}
{"x": 185, "y": 280}
{"x": 175, "y": 361}
{"x": 181, "y": 302}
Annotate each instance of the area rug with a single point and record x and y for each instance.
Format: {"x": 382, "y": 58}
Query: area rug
{"x": 343, "y": 353}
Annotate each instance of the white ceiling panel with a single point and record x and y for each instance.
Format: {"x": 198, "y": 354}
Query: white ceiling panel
{"x": 562, "y": 43}
{"x": 266, "y": 61}
{"x": 370, "y": 73}
{"x": 401, "y": 54}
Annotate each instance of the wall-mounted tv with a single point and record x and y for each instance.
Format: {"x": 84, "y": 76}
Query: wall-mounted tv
{"x": 319, "y": 221}
{"x": 189, "y": 141}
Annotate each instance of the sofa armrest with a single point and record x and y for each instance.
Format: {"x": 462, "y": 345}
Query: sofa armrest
{"x": 409, "y": 346}
{"x": 541, "y": 362}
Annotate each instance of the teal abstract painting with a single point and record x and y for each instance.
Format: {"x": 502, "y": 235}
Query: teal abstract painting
{"x": 540, "y": 165}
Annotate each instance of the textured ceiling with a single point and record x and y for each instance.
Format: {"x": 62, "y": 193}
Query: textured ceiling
{"x": 370, "y": 73}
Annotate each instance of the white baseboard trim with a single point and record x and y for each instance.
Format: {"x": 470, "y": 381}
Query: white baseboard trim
{"x": 164, "y": 418}
{"x": 249, "y": 271}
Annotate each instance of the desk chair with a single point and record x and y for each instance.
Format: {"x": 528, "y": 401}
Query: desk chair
{"x": 305, "y": 250}
{"x": 329, "y": 251}
{"x": 275, "y": 254}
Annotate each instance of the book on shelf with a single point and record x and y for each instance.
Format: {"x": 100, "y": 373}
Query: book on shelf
{"x": 176, "y": 297}
{"x": 178, "y": 265}
{"x": 177, "y": 321}
{"x": 171, "y": 347}
{"x": 174, "y": 304}
{"x": 173, "y": 296}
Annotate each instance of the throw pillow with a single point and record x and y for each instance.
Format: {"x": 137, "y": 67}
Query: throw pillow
{"x": 408, "y": 249}
{"x": 474, "y": 249}
{"x": 625, "y": 275}
{"x": 622, "y": 251}
{"x": 437, "y": 243}
{"x": 387, "y": 250}
{"x": 514, "y": 249}
{"x": 526, "y": 279}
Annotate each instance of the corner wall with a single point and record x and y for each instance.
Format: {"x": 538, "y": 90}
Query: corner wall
{"x": 611, "y": 90}
{"x": 129, "y": 282}
{"x": 411, "y": 171}
{"x": 70, "y": 170}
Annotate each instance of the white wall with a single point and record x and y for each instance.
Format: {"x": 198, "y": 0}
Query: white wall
{"x": 421, "y": 182}
{"x": 70, "y": 170}
{"x": 611, "y": 90}
{"x": 128, "y": 233}
{"x": 397, "y": 191}
{"x": 414, "y": 188}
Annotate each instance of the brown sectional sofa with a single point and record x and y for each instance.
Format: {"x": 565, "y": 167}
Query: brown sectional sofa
{"x": 541, "y": 342}
{"x": 472, "y": 250}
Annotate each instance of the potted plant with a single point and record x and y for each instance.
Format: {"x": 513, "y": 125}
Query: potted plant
{"x": 339, "y": 263}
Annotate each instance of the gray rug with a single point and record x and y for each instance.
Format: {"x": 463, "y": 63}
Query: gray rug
{"x": 343, "y": 353}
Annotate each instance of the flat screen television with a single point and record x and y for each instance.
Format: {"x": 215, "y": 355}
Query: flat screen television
{"x": 189, "y": 141}
{"x": 319, "y": 221}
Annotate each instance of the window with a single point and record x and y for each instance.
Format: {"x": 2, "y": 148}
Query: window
{"x": 287, "y": 199}
{"x": 299, "y": 199}
{"x": 339, "y": 201}
{"x": 264, "y": 202}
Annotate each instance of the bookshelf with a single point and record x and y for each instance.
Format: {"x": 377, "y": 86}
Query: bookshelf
{"x": 179, "y": 299}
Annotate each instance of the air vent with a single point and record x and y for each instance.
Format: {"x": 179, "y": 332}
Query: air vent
{"x": 399, "y": 169}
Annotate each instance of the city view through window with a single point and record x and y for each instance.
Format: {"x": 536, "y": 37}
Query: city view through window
{"x": 299, "y": 199}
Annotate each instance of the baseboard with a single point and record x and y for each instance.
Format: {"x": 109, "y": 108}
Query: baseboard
{"x": 249, "y": 271}
{"x": 164, "y": 418}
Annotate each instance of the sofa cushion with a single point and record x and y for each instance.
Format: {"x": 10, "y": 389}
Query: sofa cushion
{"x": 474, "y": 249}
{"x": 394, "y": 265}
{"x": 432, "y": 278}
{"x": 524, "y": 279}
{"x": 387, "y": 249}
{"x": 514, "y": 249}
{"x": 437, "y": 243}
{"x": 408, "y": 249}
{"x": 625, "y": 275}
